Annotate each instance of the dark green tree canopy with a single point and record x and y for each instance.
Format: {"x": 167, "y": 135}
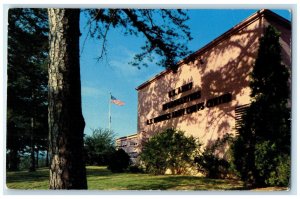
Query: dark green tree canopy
{"x": 270, "y": 77}
{"x": 262, "y": 148}
{"x": 164, "y": 29}
{"x": 27, "y": 79}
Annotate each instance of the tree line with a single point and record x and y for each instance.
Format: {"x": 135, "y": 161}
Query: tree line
{"x": 165, "y": 37}
{"x": 44, "y": 92}
{"x": 27, "y": 87}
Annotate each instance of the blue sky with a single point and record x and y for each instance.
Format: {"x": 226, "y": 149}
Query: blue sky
{"x": 115, "y": 75}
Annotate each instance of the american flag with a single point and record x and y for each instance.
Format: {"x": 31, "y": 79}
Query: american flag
{"x": 116, "y": 101}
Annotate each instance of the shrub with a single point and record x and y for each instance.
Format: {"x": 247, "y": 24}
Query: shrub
{"x": 119, "y": 161}
{"x": 169, "y": 149}
{"x": 273, "y": 169}
{"x": 135, "y": 169}
{"x": 99, "y": 146}
{"x": 281, "y": 176}
{"x": 210, "y": 164}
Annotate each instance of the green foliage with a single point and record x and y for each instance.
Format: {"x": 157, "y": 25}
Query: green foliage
{"x": 264, "y": 137}
{"x": 281, "y": 174}
{"x": 99, "y": 147}
{"x": 119, "y": 161}
{"x": 27, "y": 92}
{"x": 169, "y": 149}
{"x": 135, "y": 169}
{"x": 211, "y": 163}
{"x": 165, "y": 31}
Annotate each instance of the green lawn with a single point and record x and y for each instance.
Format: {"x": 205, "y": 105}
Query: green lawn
{"x": 99, "y": 178}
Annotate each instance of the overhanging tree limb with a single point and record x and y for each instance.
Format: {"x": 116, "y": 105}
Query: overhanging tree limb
{"x": 164, "y": 29}
{"x": 66, "y": 123}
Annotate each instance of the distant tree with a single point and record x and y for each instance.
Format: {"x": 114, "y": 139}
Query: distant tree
{"x": 169, "y": 149}
{"x": 167, "y": 39}
{"x": 99, "y": 146}
{"x": 27, "y": 84}
{"x": 119, "y": 161}
{"x": 262, "y": 148}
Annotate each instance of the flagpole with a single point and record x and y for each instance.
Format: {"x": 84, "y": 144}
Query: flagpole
{"x": 109, "y": 113}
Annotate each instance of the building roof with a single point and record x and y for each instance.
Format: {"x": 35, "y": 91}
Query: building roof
{"x": 261, "y": 13}
{"x": 126, "y": 137}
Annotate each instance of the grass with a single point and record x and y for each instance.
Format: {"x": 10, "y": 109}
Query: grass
{"x": 28, "y": 180}
{"x": 99, "y": 178}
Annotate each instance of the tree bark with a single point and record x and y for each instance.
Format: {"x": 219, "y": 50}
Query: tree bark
{"x": 37, "y": 157}
{"x": 32, "y": 155}
{"x": 47, "y": 158}
{"x": 66, "y": 123}
{"x": 13, "y": 160}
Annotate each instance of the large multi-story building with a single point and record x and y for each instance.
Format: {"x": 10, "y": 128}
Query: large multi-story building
{"x": 207, "y": 94}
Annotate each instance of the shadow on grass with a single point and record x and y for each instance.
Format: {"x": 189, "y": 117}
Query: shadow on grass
{"x": 21, "y": 176}
{"x": 129, "y": 181}
{"x": 185, "y": 183}
{"x": 42, "y": 174}
{"x": 92, "y": 171}
{"x": 99, "y": 178}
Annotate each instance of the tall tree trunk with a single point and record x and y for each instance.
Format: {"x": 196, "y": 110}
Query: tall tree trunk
{"x": 47, "y": 158}
{"x": 32, "y": 155}
{"x": 37, "y": 157}
{"x": 66, "y": 123}
{"x": 13, "y": 160}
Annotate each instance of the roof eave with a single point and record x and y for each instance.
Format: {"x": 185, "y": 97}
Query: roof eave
{"x": 261, "y": 13}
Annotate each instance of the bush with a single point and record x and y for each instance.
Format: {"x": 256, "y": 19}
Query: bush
{"x": 274, "y": 169}
{"x": 170, "y": 149}
{"x": 210, "y": 164}
{"x": 281, "y": 176}
{"x": 99, "y": 147}
{"x": 119, "y": 161}
{"x": 135, "y": 169}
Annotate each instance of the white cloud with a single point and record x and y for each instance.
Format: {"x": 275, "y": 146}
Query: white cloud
{"x": 121, "y": 63}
